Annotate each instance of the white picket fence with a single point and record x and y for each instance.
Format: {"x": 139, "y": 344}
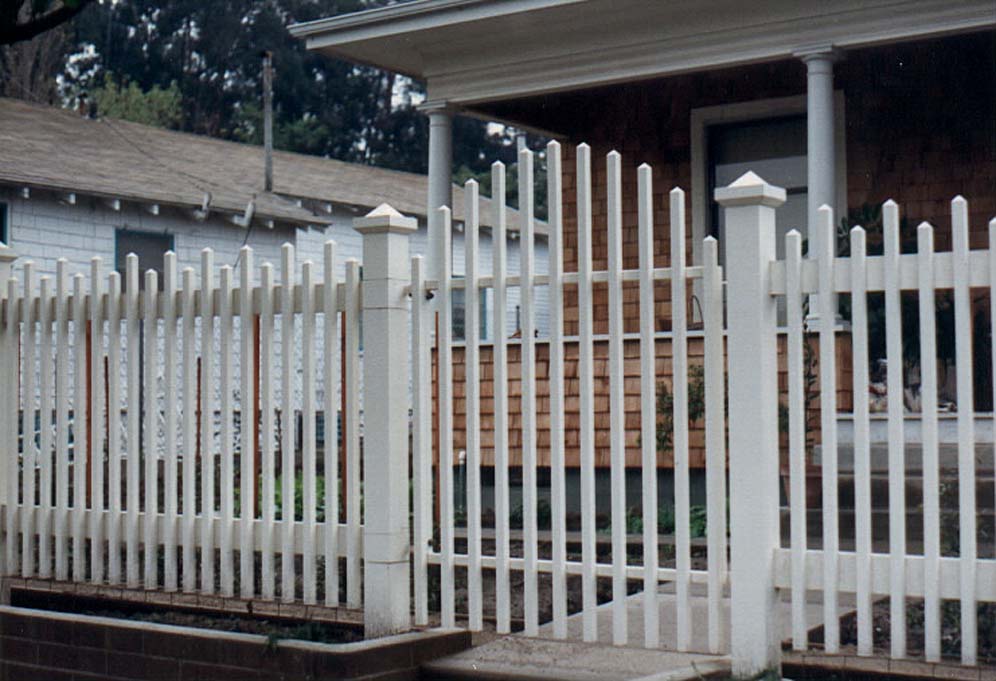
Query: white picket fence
{"x": 169, "y": 500}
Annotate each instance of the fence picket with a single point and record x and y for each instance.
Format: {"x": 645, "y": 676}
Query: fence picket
{"x": 309, "y": 474}
{"x": 586, "y": 351}
{"x": 206, "y": 443}
{"x": 500, "y": 359}
{"x": 61, "y": 419}
{"x": 247, "y": 406}
{"x": 896, "y": 446}
{"x": 527, "y": 306}
{"x": 13, "y": 463}
{"x": 79, "y": 429}
{"x": 189, "y": 373}
{"x": 472, "y": 379}
{"x": 150, "y": 428}
{"x": 266, "y": 443}
{"x": 287, "y": 423}
{"x": 862, "y": 446}
{"x": 352, "y": 439}
{"x": 967, "y": 550}
{"x": 931, "y": 466}
{"x": 169, "y": 430}
{"x": 679, "y": 353}
{"x": 132, "y": 418}
{"x": 558, "y": 485}
{"x": 444, "y": 360}
{"x": 828, "y": 427}
{"x": 421, "y": 438}
{"x": 29, "y": 452}
{"x": 796, "y": 436}
{"x": 227, "y": 481}
{"x": 45, "y": 389}
{"x": 331, "y": 444}
{"x": 648, "y": 407}
{"x": 95, "y": 421}
{"x": 114, "y": 427}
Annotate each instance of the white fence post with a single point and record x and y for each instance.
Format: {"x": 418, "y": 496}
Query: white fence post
{"x": 749, "y": 205}
{"x": 385, "y": 451}
{"x": 8, "y": 373}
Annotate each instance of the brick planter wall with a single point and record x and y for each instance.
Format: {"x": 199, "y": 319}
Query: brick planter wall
{"x": 36, "y": 644}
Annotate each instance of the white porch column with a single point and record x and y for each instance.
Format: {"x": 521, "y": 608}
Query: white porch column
{"x": 749, "y": 205}
{"x": 440, "y": 175}
{"x": 386, "y": 273}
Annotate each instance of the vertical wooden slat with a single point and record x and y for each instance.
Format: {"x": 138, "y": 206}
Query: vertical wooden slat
{"x": 13, "y": 461}
{"x": 29, "y": 451}
{"x": 558, "y": 484}
{"x": 796, "y": 436}
{"x": 931, "y": 464}
{"x": 269, "y": 472}
{"x": 421, "y": 438}
{"x": 679, "y": 351}
{"x": 896, "y": 446}
{"x": 648, "y": 408}
{"x": 472, "y": 379}
{"x": 444, "y": 361}
{"x": 862, "y": 445}
{"x": 715, "y": 441}
{"x": 247, "y": 461}
{"x": 61, "y": 418}
{"x": 331, "y": 444}
{"x": 967, "y": 550}
{"x": 96, "y": 421}
{"x": 150, "y": 448}
{"x": 287, "y": 422}
{"x": 114, "y": 427}
{"x": 227, "y": 482}
{"x": 189, "y": 432}
{"x": 79, "y": 430}
{"x": 352, "y": 436}
{"x": 170, "y": 463}
{"x": 207, "y": 451}
{"x": 45, "y": 439}
{"x": 309, "y": 473}
{"x": 589, "y": 598}
{"x": 500, "y": 382}
{"x": 828, "y": 427}
{"x": 617, "y": 414}
{"x": 133, "y": 386}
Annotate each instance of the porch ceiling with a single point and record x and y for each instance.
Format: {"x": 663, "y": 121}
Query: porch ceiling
{"x": 474, "y": 51}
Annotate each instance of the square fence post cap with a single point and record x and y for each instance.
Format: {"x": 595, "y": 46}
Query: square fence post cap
{"x": 750, "y": 190}
{"x": 385, "y": 218}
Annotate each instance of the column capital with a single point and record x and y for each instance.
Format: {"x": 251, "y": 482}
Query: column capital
{"x": 436, "y": 106}
{"x": 821, "y": 52}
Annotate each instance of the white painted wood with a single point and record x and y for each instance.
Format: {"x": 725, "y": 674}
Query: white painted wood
{"x": 170, "y": 501}
{"x": 267, "y": 352}
{"x": 79, "y": 430}
{"x": 247, "y": 460}
{"x": 227, "y": 468}
{"x": 796, "y": 436}
{"x": 589, "y": 597}
{"x": 500, "y": 368}
{"x": 679, "y": 353}
{"x": 749, "y": 205}
{"x": 29, "y": 450}
{"x": 527, "y": 312}
{"x": 97, "y": 415}
{"x": 967, "y": 510}
{"x": 715, "y": 426}
{"x": 45, "y": 390}
{"x": 188, "y": 435}
{"x": 472, "y": 380}
{"x": 150, "y": 433}
{"x": 12, "y": 563}
{"x": 617, "y": 414}
{"x": 287, "y": 423}
{"x": 309, "y": 474}
{"x": 648, "y": 407}
{"x": 331, "y": 444}
{"x": 207, "y": 411}
{"x": 133, "y": 415}
{"x": 931, "y": 465}
{"x": 558, "y": 484}
{"x": 113, "y": 427}
{"x": 828, "y": 424}
{"x": 62, "y": 482}
{"x": 352, "y": 425}
{"x": 897, "y": 453}
{"x": 862, "y": 446}
{"x": 421, "y": 439}
{"x": 444, "y": 359}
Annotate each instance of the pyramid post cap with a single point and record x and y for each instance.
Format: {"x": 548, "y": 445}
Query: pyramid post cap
{"x": 750, "y": 189}
{"x": 385, "y": 218}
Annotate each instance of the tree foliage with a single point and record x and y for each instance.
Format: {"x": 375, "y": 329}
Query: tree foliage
{"x": 22, "y": 20}
{"x": 159, "y": 107}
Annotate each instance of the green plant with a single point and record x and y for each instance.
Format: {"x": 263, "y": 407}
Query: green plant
{"x": 665, "y": 407}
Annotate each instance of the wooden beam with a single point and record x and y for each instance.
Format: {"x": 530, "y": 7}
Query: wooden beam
{"x": 25, "y": 192}
{"x": 152, "y": 208}
{"x": 68, "y": 198}
{"x": 113, "y": 204}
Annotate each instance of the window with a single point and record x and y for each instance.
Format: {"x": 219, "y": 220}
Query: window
{"x": 4, "y": 223}
{"x": 459, "y": 310}
{"x": 148, "y": 246}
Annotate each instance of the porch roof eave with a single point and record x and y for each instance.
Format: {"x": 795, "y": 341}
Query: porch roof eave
{"x": 475, "y": 51}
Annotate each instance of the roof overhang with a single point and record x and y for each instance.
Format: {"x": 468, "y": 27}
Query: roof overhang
{"x": 475, "y": 51}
